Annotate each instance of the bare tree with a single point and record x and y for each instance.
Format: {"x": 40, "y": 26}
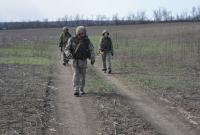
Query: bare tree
{"x": 162, "y": 14}
{"x": 198, "y": 13}
{"x": 65, "y": 20}
{"x": 115, "y": 19}
{"x": 195, "y": 13}
{"x": 130, "y": 18}
{"x": 184, "y": 16}
{"x": 46, "y": 23}
{"x": 167, "y": 15}
{"x": 141, "y": 16}
{"x": 100, "y": 19}
{"x": 157, "y": 14}
{"x": 77, "y": 19}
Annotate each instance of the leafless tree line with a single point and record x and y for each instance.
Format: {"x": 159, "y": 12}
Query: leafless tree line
{"x": 140, "y": 17}
{"x": 162, "y": 14}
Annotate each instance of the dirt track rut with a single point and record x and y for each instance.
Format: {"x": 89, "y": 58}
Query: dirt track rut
{"x": 164, "y": 121}
{"x": 71, "y": 112}
{"x": 77, "y": 116}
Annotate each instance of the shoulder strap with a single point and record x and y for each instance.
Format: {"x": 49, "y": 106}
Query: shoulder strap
{"x": 79, "y": 44}
{"x": 77, "y": 47}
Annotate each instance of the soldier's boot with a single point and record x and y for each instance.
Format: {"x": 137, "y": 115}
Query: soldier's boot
{"x": 109, "y": 71}
{"x": 76, "y": 93}
{"x": 82, "y": 92}
{"x": 64, "y": 63}
{"x": 104, "y": 70}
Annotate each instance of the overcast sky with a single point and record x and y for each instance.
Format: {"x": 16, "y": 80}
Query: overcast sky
{"x": 23, "y": 10}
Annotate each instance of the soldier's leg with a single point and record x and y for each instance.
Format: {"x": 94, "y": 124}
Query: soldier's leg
{"x": 104, "y": 62}
{"x": 65, "y": 60}
{"x": 109, "y": 57}
{"x": 82, "y": 80}
{"x": 76, "y": 79}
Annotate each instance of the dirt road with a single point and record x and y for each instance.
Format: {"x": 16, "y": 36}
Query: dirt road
{"x": 75, "y": 116}
{"x": 79, "y": 116}
{"x": 159, "y": 116}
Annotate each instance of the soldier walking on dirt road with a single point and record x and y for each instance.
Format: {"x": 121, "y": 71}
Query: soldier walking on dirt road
{"x": 106, "y": 49}
{"x": 79, "y": 48}
{"x": 63, "y": 42}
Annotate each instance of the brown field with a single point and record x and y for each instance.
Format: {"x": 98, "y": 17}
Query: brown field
{"x": 162, "y": 60}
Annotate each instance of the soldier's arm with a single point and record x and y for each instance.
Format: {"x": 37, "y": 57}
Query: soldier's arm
{"x": 68, "y": 45}
{"x": 61, "y": 41}
{"x": 100, "y": 44}
{"x": 70, "y": 35}
{"x": 68, "y": 48}
{"x": 112, "y": 51}
{"x": 92, "y": 52}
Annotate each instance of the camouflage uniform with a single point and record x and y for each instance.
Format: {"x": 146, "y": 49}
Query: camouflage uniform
{"x": 106, "y": 49}
{"x": 63, "y": 42}
{"x": 80, "y": 48}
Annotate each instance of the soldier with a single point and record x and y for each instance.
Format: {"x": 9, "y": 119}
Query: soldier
{"x": 106, "y": 49}
{"x": 63, "y": 42}
{"x": 79, "y": 48}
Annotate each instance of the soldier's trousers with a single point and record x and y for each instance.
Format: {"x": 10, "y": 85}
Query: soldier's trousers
{"x": 79, "y": 75}
{"x": 65, "y": 59}
{"x": 106, "y": 58}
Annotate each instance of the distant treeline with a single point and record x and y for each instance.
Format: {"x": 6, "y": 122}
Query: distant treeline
{"x": 160, "y": 15}
{"x": 58, "y": 24}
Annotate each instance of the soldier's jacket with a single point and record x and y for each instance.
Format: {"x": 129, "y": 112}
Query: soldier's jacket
{"x": 106, "y": 44}
{"x": 84, "y": 51}
{"x": 64, "y": 39}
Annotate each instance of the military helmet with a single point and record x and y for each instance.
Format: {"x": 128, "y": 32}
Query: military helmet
{"x": 65, "y": 28}
{"x": 105, "y": 31}
{"x": 80, "y": 29}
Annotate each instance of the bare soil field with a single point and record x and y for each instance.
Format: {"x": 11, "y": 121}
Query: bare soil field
{"x": 26, "y": 100}
{"x": 26, "y": 81}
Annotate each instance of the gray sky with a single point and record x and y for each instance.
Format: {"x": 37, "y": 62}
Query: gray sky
{"x": 23, "y": 10}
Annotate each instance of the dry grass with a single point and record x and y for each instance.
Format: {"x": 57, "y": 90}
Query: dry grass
{"x": 164, "y": 59}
